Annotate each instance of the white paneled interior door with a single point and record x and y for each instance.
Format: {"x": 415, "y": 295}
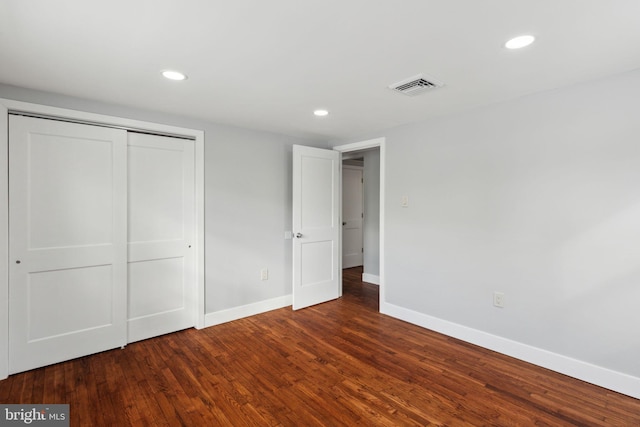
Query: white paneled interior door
{"x": 316, "y": 226}
{"x": 67, "y": 241}
{"x": 352, "y": 216}
{"x": 161, "y": 276}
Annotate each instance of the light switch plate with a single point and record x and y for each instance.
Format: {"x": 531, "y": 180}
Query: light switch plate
{"x": 498, "y": 299}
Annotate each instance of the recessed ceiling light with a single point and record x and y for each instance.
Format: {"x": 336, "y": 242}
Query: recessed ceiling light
{"x": 174, "y": 75}
{"x": 321, "y": 113}
{"x": 519, "y": 42}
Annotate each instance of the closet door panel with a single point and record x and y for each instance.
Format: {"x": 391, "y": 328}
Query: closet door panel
{"x": 67, "y": 241}
{"x": 168, "y": 293}
{"x": 161, "y": 280}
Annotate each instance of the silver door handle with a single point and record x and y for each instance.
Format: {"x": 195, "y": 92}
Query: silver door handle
{"x": 298, "y": 235}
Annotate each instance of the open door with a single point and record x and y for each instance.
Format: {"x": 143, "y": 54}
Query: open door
{"x": 316, "y": 226}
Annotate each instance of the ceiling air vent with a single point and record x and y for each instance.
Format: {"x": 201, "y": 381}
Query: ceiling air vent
{"x": 416, "y": 85}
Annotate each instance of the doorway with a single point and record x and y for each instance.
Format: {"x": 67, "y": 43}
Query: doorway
{"x": 316, "y": 223}
{"x": 372, "y": 153}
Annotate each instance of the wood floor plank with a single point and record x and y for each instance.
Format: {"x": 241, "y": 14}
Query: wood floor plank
{"x": 340, "y": 363}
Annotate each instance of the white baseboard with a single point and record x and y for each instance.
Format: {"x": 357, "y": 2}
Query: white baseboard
{"x": 371, "y": 278}
{"x": 223, "y": 316}
{"x": 603, "y": 377}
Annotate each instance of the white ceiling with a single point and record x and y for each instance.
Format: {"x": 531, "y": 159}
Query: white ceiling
{"x": 268, "y": 64}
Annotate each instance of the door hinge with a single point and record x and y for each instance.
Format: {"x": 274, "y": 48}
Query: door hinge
{"x": 362, "y": 215}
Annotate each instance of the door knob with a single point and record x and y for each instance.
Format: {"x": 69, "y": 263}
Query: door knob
{"x": 298, "y": 235}
{"x": 344, "y": 223}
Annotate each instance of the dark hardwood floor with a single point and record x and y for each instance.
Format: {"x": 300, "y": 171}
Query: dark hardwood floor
{"x": 338, "y": 363}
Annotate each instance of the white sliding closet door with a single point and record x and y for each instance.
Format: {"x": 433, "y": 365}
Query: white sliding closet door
{"x": 67, "y": 241}
{"x": 162, "y": 281}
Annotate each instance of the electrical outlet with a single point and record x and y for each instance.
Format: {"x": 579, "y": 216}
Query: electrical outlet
{"x": 264, "y": 274}
{"x": 498, "y": 299}
{"x": 404, "y": 201}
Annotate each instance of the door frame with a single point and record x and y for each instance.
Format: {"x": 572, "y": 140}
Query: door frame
{"x": 7, "y": 106}
{"x": 357, "y": 146}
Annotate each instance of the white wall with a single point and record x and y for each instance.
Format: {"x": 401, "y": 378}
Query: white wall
{"x": 538, "y": 198}
{"x": 248, "y": 209}
{"x": 247, "y": 205}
